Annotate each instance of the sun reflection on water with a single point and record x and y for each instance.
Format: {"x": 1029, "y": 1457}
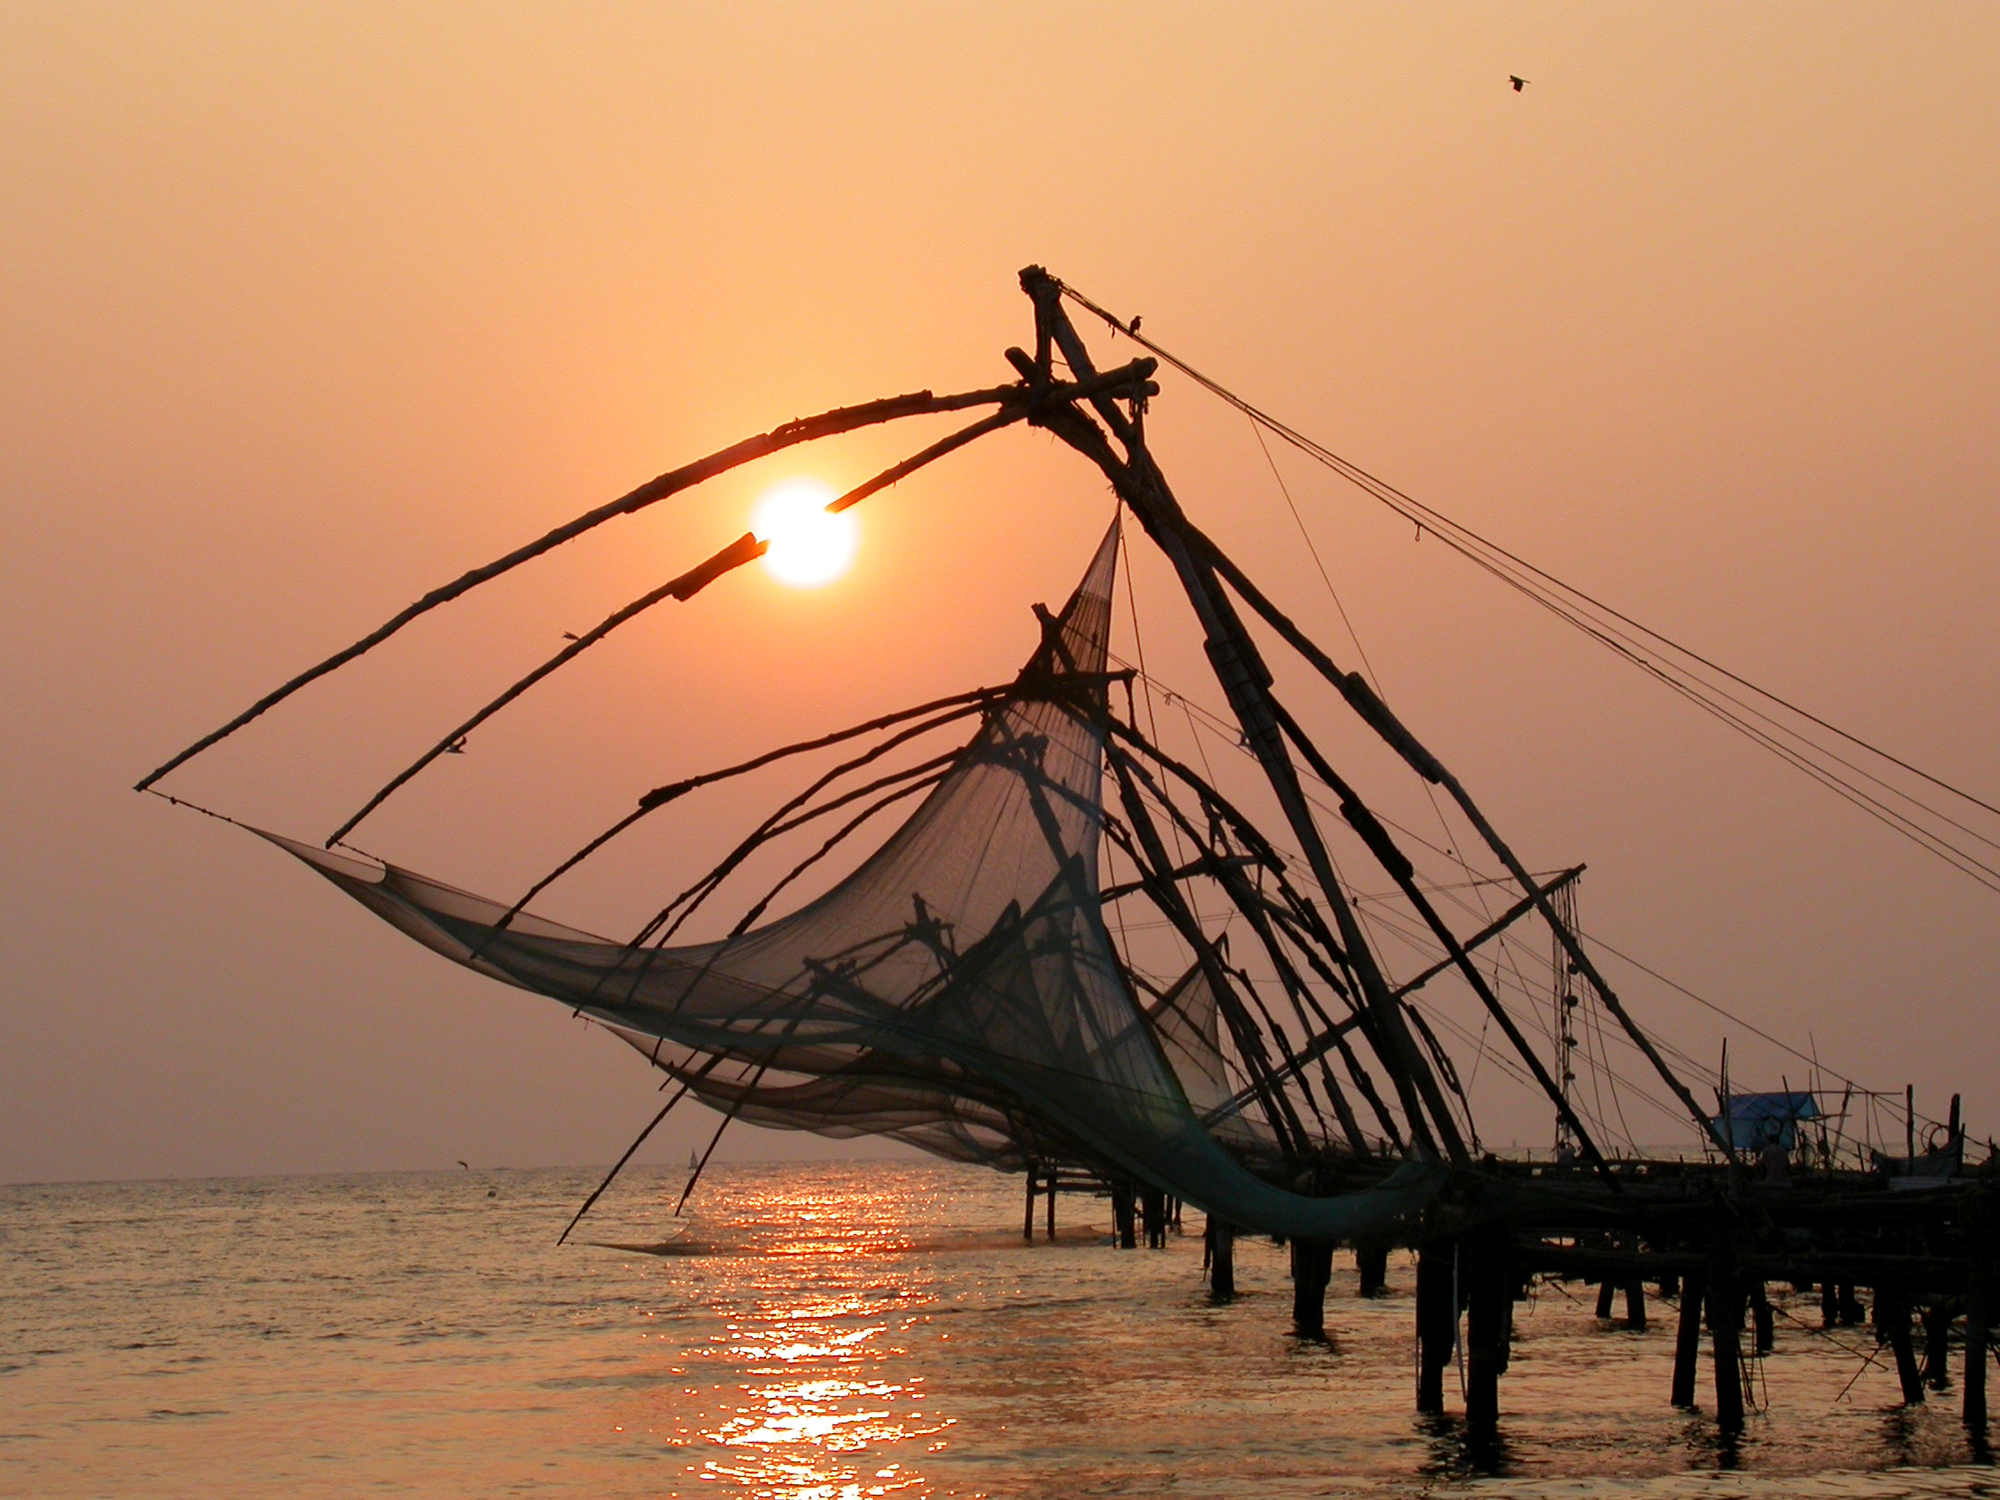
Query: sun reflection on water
{"x": 834, "y": 1422}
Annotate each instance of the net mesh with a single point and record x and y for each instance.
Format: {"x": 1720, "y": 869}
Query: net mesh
{"x": 958, "y": 990}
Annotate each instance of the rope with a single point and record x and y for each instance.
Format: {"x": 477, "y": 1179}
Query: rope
{"x": 1638, "y": 643}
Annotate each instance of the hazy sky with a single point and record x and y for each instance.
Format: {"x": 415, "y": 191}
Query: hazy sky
{"x": 307, "y": 308}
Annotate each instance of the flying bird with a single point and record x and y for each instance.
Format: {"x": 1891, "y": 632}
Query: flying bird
{"x": 1519, "y": 83}
{"x": 462, "y": 1164}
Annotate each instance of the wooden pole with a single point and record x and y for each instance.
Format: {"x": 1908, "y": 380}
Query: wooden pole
{"x": 1312, "y": 1269}
{"x": 1488, "y": 1325}
{"x": 1221, "y": 1259}
{"x": 1437, "y": 1323}
{"x": 1245, "y": 681}
{"x": 1635, "y": 1304}
{"x": 1153, "y": 1214}
{"x": 801, "y": 430}
{"x": 1372, "y": 1264}
{"x": 1725, "y": 1327}
{"x": 1122, "y": 1216}
{"x": 1763, "y": 1318}
{"x": 1028, "y": 1214}
{"x": 1892, "y": 1325}
{"x": 1978, "y": 1316}
{"x": 1937, "y": 1346}
{"x": 1054, "y": 1176}
{"x": 1687, "y": 1338}
{"x": 1377, "y": 716}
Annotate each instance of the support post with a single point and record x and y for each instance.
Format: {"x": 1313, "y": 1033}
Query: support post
{"x": 1978, "y": 1319}
{"x": 1312, "y": 1269}
{"x": 1687, "y": 1338}
{"x": 1372, "y": 1262}
{"x": 1635, "y": 1305}
{"x": 1937, "y": 1345}
{"x": 1153, "y": 1217}
{"x": 1122, "y": 1216}
{"x": 1892, "y": 1326}
{"x": 1054, "y": 1177}
{"x": 1488, "y": 1276}
{"x": 1607, "y": 1290}
{"x": 1437, "y": 1323}
{"x": 1725, "y": 1327}
{"x": 1028, "y": 1214}
{"x": 1763, "y": 1318}
{"x": 1221, "y": 1237}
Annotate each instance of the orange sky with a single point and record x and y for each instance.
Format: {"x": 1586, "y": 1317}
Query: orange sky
{"x": 309, "y": 308}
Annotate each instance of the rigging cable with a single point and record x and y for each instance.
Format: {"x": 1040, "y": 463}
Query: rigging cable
{"x": 1651, "y": 650}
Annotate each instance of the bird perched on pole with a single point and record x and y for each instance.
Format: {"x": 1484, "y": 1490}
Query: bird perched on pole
{"x": 1519, "y": 83}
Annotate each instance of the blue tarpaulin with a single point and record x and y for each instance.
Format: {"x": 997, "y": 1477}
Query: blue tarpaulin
{"x": 1755, "y": 1121}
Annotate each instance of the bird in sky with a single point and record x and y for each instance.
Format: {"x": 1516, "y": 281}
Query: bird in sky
{"x": 1136, "y": 321}
{"x": 1519, "y": 83}
{"x": 462, "y": 1164}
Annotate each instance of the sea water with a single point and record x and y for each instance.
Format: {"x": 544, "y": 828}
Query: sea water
{"x": 816, "y": 1333}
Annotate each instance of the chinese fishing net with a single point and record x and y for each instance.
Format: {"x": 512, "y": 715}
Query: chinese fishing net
{"x": 958, "y": 990}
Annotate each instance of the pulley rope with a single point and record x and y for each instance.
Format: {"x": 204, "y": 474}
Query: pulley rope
{"x": 1649, "y": 649}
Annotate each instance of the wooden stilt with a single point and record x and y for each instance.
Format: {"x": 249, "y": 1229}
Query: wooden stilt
{"x": 1052, "y": 1202}
{"x": 1763, "y": 1317}
{"x": 1851, "y": 1311}
{"x": 1687, "y": 1339}
{"x": 1635, "y": 1304}
{"x": 1221, "y": 1259}
{"x": 1829, "y": 1304}
{"x": 1312, "y": 1269}
{"x": 1978, "y": 1320}
{"x": 1892, "y": 1325}
{"x": 1437, "y": 1324}
{"x": 1486, "y": 1275}
{"x": 1725, "y": 1327}
{"x": 1122, "y": 1218}
{"x": 1372, "y": 1261}
{"x": 1028, "y": 1214}
{"x": 1607, "y": 1291}
{"x": 1937, "y": 1345}
{"x": 1153, "y": 1217}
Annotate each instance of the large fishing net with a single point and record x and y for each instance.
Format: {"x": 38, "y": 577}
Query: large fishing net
{"x": 958, "y": 990}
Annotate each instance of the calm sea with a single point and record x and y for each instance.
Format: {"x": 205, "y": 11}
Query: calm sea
{"x": 820, "y": 1332}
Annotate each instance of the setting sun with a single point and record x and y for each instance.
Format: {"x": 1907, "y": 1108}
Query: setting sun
{"x": 809, "y": 546}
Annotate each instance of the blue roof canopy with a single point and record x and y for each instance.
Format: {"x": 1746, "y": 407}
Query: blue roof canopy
{"x": 1755, "y": 1121}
